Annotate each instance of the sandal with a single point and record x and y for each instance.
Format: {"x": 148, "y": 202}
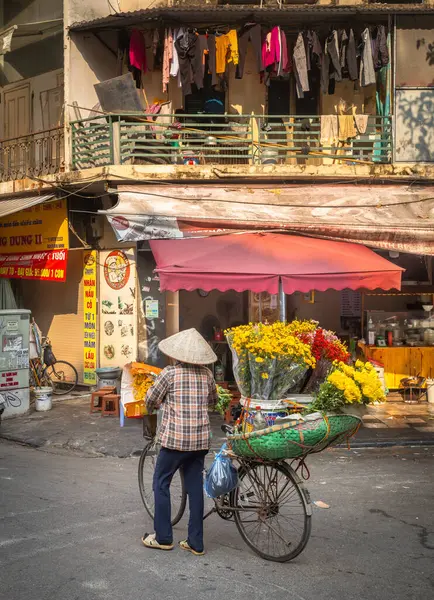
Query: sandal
{"x": 186, "y": 546}
{"x": 150, "y": 541}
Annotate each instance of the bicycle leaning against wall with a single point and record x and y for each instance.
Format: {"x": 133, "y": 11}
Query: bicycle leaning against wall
{"x": 47, "y": 371}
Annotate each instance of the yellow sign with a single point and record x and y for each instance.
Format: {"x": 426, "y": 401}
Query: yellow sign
{"x": 89, "y": 310}
{"x": 41, "y": 227}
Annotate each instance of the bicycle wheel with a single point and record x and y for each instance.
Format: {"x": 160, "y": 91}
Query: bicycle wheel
{"x": 274, "y": 512}
{"x": 62, "y": 376}
{"x": 178, "y": 496}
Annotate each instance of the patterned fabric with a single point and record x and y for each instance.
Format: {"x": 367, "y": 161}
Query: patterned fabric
{"x": 184, "y": 392}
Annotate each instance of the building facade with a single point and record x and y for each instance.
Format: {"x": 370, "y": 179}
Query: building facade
{"x": 135, "y": 144}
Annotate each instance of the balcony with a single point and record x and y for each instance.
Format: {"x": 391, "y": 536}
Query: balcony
{"x": 221, "y": 140}
{"x": 34, "y": 155}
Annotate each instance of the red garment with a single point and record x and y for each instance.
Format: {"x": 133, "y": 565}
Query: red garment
{"x": 138, "y": 50}
{"x": 271, "y": 48}
{"x": 285, "y": 66}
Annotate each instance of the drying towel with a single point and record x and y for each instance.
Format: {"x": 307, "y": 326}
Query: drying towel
{"x": 329, "y": 130}
{"x": 347, "y": 129}
{"x": 361, "y": 123}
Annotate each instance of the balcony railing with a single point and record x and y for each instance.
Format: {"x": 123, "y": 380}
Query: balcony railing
{"x": 33, "y": 155}
{"x": 222, "y": 140}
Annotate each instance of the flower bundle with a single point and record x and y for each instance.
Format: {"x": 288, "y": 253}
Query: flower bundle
{"x": 269, "y": 360}
{"x": 358, "y": 384}
{"x": 141, "y": 384}
{"x": 143, "y": 378}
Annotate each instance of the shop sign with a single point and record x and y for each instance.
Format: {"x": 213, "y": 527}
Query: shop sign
{"x": 42, "y": 266}
{"x": 117, "y": 304}
{"x": 41, "y": 227}
{"x": 89, "y": 311}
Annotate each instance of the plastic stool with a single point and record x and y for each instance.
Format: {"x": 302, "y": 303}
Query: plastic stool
{"x": 98, "y": 395}
{"x": 110, "y": 405}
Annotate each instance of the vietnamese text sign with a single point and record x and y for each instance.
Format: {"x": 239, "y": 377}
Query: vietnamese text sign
{"x": 45, "y": 266}
{"x": 41, "y": 227}
{"x": 89, "y": 311}
{"x": 118, "y": 307}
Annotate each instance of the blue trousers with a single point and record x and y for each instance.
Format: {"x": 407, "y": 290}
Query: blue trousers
{"x": 192, "y": 464}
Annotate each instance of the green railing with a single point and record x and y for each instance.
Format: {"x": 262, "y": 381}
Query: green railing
{"x": 222, "y": 140}
{"x": 299, "y": 139}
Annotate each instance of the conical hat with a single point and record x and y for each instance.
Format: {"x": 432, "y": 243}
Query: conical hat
{"x": 188, "y": 346}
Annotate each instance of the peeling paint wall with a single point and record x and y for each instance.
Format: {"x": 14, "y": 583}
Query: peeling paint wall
{"x": 247, "y": 95}
{"x": 82, "y": 10}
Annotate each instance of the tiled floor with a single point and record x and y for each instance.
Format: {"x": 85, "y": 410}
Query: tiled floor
{"x": 400, "y": 415}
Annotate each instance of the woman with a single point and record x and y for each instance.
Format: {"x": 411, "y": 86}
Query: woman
{"x": 184, "y": 392}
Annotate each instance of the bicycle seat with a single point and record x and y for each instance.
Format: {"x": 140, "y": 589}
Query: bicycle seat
{"x": 228, "y": 429}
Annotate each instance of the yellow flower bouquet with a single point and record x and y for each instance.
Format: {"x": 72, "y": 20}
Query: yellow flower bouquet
{"x": 268, "y": 360}
{"x": 346, "y": 385}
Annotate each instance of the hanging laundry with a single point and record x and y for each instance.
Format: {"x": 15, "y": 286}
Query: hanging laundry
{"x": 314, "y": 49}
{"x": 253, "y": 34}
{"x": 271, "y": 48}
{"x": 367, "y": 72}
{"x": 284, "y": 63}
{"x": 343, "y": 48}
{"x": 174, "y": 67}
{"x": 203, "y": 51}
{"x": 226, "y": 50}
{"x": 189, "y": 52}
{"x": 233, "y": 46}
{"x": 331, "y": 71}
{"x": 222, "y": 44}
{"x": 352, "y": 57}
{"x": 361, "y": 123}
{"x": 329, "y": 130}
{"x": 137, "y": 51}
{"x": 347, "y": 129}
{"x": 212, "y": 66}
{"x": 380, "y": 52}
{"x": 167, "y": 57}
{"x": 300, "y": 66}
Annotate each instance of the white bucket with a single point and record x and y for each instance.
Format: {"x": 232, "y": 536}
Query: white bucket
{"x": 430, "y": 390}
{"x": 43, "y": 398}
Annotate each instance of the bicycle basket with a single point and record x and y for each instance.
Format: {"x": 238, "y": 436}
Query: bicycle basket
{"x": 49, "y": 358}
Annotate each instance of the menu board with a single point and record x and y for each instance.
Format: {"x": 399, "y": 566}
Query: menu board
{"x": 117, "y": 307}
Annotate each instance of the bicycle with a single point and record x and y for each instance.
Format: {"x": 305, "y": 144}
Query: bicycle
{"x": 60, "y": 375}
{"x": 267, "y": 490}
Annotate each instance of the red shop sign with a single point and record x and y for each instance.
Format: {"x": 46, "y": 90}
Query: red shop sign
{"x": 45, "y": 266}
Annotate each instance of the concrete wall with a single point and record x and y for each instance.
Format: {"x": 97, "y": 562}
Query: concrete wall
{"x": 246, "y": 95}
{"x": 82, "y": 10}
{"x": 31, "y": 55}
{"x": 88, "y": 62}
{"x": 31, "y": 11}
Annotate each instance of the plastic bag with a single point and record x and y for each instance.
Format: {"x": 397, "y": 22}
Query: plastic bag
{"x": 222, "y": 477}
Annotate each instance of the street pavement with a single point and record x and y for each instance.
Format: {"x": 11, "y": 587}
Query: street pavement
{"x": 70, "y": 528}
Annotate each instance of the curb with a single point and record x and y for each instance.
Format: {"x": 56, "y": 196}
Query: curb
{"x": 387, "y": 444}
{"x": 43, "y": 445}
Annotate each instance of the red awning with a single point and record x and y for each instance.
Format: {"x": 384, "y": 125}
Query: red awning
{"x": 256, "y": 261}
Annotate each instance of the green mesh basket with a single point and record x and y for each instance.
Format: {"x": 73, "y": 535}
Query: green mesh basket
{"x": 292, "y": 441}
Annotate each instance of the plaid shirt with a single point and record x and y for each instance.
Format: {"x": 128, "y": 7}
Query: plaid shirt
{"x": 184, "y": 392}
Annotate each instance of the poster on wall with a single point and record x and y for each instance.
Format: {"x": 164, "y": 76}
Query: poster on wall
{"x": 89, "y": 315}
{"x": 41, "y": 266}
{"x": 43, "y": 227}
{"x": 117, "y": 307}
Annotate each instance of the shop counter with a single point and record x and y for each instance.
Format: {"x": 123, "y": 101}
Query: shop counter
{"x": 401, "y": 361}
